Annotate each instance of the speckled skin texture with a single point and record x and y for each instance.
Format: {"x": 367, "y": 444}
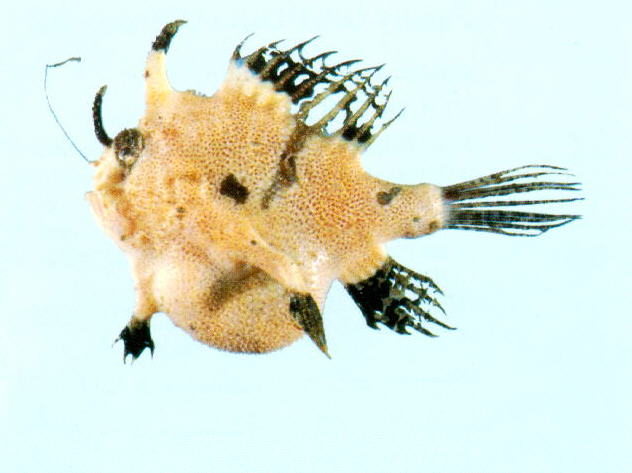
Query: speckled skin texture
{"x": 223, "y": 270}
{"x": 237, "y": 215}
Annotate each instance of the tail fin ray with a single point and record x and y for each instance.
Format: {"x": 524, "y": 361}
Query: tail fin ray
{"x": 483, "y": 215}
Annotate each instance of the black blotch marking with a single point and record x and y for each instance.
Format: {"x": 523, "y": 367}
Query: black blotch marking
{"x": 433, "y": 226}
{"x": 286, "y": 174}
{"x": 385, "y": 198}
{"x": 136, "y": 337}
{"x": 163, "y": 40}
{"x": 279, "y": 68}
{"x": 304, "y": 310}
{"x": 128, "y": 145}
{"x": 231, "y": 187}
{"x": 97, "y": 118}
{"x": 287, "y": 170}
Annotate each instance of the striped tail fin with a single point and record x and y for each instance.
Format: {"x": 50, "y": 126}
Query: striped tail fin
{"x": 473, "y": 204}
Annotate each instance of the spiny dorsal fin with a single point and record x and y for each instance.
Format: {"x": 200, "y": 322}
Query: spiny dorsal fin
{"x": 309, "y": 81}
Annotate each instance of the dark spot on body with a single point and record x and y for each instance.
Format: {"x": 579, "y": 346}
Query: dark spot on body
{"x": 191, "y": 176}
{"x": 385, "y": 198}
{"x": 128, "y": 145}
{"x": 433, "y": 226}
{"x": 170, "y": 133}
{"x": 253, "y": 243}
{"x": 231, "y": 187}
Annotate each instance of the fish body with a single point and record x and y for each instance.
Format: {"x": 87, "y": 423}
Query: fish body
{"x": 239, "y": 210}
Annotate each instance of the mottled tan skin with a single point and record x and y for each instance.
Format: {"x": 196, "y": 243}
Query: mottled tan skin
{"x": 224, "y": 271}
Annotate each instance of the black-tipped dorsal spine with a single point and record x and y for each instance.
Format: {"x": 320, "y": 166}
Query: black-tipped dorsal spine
{"x": 257, "y": 60}
{"x": 382, "y": 298}
{"x": 286, "y": 80}
{"x": 290, "y": 72}
{"x": 335, "y": 86}
{"x": 236, "y": 56}
{"x": 367, "y": 140}
{"x": 97, "y": 118}
{"x": 277, "y": 66}
{"x": 163, "y": 40}
{"x": 358, "y": 81}
{"x": 349, "y": 96}
{"x": 486, "y": 216}
{"x": 271, "y": 70}
{"x": 305, "y": 89}
{"x": 349, "y": 129}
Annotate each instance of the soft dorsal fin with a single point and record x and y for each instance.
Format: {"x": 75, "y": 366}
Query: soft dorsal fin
{"x": 309, "y": 81}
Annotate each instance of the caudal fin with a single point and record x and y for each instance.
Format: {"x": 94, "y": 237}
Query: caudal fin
{"x": 474, "y": 205}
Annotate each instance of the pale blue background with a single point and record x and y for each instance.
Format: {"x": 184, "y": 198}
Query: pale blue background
{"x": 536, "y": 379}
